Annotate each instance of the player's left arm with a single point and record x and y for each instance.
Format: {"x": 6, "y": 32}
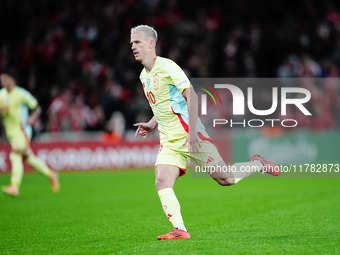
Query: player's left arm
{"x": 32, "y": 104}
{"x": 182, "y": 83}
{"x": 192, "y": 103}
{"x": 32, "y": 118}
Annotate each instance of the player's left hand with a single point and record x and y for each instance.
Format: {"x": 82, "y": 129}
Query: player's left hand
{"x": 30, "y": 120}
{"x": 193, "y": 142}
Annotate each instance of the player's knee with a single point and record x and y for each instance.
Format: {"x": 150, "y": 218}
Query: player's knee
{"x": 160, "y": 182}
{"x": 226, "y": 181}
{"x": 19, "y": 151}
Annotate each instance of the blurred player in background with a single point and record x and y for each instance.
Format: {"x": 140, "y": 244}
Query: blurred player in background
{"x": 170, "y": 94}
{"x": 14, "y": 105}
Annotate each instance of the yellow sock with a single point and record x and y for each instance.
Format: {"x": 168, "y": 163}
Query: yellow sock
{"x": 171, "y": 207}
{"x": 17, "y": 169}
{"x": 39, "y": 166}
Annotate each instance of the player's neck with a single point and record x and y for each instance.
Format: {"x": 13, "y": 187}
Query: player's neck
{"x": 149, "y": 63}
{"x": 10, "y": 88}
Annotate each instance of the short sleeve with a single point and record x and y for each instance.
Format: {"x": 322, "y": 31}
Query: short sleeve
{"x": 177, "y": 75}
{"x": 28, "y": 99}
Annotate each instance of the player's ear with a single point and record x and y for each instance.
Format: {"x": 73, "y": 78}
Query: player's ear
{"x": 152, "y": 44}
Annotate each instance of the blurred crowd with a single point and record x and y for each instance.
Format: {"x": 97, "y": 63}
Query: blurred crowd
{"x": 75, "y": 56}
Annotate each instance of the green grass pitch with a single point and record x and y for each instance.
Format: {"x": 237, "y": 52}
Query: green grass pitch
{"x": 119, "y": 212}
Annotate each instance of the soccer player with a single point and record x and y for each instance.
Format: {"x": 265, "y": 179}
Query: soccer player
{"x": 170, "y": 93}
{"x": 14, "y": 105}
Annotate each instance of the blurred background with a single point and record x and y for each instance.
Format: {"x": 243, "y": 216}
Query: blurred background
{"x": 75, "y": 56}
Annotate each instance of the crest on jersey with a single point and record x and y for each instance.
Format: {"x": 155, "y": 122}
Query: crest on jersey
{"x": 148, "y": 82}
{"x": 156, "y": 81}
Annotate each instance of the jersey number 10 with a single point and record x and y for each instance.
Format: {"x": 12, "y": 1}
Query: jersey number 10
{"x": 151, "y": 97}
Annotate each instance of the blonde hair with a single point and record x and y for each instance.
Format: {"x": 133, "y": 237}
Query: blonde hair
{"x": 147, "y": 30}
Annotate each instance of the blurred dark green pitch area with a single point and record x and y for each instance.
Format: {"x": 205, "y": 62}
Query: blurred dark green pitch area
{"x": 120, "y": 213}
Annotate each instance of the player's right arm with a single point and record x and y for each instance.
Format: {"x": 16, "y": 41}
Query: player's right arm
{"x": 2, "y": 109}
{"x": 145, "y": 127}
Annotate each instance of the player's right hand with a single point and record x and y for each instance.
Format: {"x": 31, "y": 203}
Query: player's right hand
{"x": 3, "y": 109}
{"x": 143, "y": 129}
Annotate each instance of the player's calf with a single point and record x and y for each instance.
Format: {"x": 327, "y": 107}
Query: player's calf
{"x": 225, "y": 181}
